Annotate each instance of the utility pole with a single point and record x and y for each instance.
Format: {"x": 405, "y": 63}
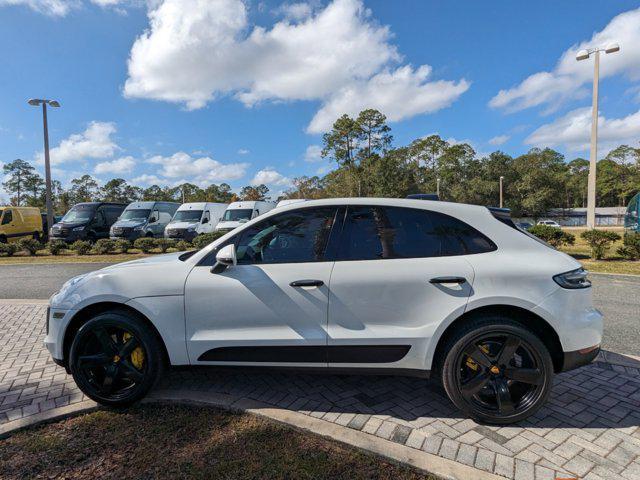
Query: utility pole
{"x": 501, "y": 179}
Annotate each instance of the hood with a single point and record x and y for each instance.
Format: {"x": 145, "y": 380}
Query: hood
{"x": 156, "y": 276}
{"x": 182, "y": 225}
{"x": 129, "y": 223}
{"x": 227, "y": 224}
{"x": 68, "y": 224}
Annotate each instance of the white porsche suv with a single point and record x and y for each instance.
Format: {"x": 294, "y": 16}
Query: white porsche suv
{"x": 407, "y": 287}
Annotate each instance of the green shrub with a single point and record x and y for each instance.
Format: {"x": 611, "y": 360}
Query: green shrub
{"x": 164, "y": 244}
{"x": 631, "y": 248}
{"x": 8, "y": 249}
{"x": 56, "y": 247}
{"x": 81, "y": 247}
{"x": 205, "y": 239}
{"x": 599, "y": 241}
{"x": 554, "y": 236}
{"x": 104, "y": 246}
{"x": 183, "y": 246}
{"x": 123, "y": 245}
{"x": 29, "y": 245}
{"x": 145, "y": 244}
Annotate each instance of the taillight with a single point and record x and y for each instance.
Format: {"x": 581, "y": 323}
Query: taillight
{"x": 573, "y": 279}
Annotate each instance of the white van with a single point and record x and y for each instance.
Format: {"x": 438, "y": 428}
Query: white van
{"x": 238, "y": 213}
{"x": 192, "y": 219}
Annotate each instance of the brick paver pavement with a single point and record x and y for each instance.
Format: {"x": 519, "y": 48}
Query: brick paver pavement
{"x": 590, "y": 428}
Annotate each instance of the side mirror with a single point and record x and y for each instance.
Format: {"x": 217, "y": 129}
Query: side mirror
{"x": 226, "y": 257}
{"x": 205, "y": 220}
{"x": 153, "y": 220}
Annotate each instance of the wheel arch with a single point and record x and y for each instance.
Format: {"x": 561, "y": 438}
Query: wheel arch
{"x": 85, "y": 314}
{"x": 526, "y": 318}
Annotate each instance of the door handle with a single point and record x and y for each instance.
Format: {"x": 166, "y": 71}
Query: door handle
{"x": 307, "y": 283}
{"x": 438, "y": 280}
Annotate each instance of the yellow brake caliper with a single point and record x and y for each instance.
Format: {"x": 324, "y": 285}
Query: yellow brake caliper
{"x": 137, "y": 356}
{"x": 471, "y": 363}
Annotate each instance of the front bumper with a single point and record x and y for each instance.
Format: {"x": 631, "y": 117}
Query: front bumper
{"x": 70, "y": 237}
{"x": 180, "y": 234}
{"x": 130, "y": 235}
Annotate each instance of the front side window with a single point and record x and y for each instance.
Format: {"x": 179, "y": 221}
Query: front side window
{"x": 8, "y": 217}
{"x": 237, "y": 215}
{"x": 135, "y": 214}
{"x": 293, "y": 237}
{"x": 374, "y": 233}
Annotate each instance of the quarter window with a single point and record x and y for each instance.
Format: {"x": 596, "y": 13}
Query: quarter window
{"x": 293, "y": 237}
{"x": 375, "y": 233}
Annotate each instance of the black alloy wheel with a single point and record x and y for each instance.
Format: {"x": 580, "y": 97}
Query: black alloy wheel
{"x": 498, "y": 373}
{"x": 115, "y": 359}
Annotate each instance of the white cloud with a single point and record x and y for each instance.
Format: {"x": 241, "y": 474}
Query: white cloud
{"x": 118, "y": 166}
{"x": 203, "y": 170}
{"x": 295, "y": 11}
{"x": 94, "y": 143}
{"x": 400, "y": 94}
{"x": 269, "y": 176}
{"x": 499, "y": 140}
{"x": 313, "y": 154}
{"x": 54, "y": 8}
{"x": 243, "y": 151}
{"x": 146, "y": 179}
{"x": 197, "y": 50}
{"x": 569, "y": 77}
{"x": 573, "y": 131}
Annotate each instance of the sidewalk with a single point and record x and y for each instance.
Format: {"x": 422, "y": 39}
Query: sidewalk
{"x": 589, "y": 429}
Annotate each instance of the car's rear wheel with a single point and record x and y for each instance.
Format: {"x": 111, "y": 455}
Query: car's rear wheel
{"x": 115, "y": 359}
{"x": 497, "y": 371}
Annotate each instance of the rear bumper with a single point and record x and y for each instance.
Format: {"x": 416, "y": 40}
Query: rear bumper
{"x": 579, "y": 358}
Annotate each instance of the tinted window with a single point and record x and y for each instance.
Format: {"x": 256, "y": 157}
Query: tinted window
{"x": 237, "y": 215}
{"x": 79, "y": 214}
{"x": 136, "y": 214}
{"x": 8, "y": 217}
{"x": 299, "y": 236}
{"x": 187, "y": 216}
{"x": 390, "y": 232}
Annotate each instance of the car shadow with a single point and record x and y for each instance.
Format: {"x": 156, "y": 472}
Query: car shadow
{"x": 594, "y": 396}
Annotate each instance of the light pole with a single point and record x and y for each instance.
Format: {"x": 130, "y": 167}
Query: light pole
{"x": 438, "y": 187}
{"x": 35, "y": 102}
{"x": 501, "y": 179}
{"x": 591, "y": 186}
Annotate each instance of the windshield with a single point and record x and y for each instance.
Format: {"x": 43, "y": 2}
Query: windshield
{"x": 187, "y": 216}
{"x": 79, "y": 213}
{"x": 237, "y": 215}
{"x": 135, "y": 214}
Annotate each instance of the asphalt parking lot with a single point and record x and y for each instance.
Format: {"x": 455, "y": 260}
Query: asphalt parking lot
{"x": 617, "y": 296}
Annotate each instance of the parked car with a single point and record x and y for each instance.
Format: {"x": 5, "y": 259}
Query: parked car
{"x": 20, "y": 222}
{"x": 389, "y": 286}
{"x": 192, "y": 219}
{"x": 86, "y": 221}
{"x": 143, "y": 219}
{"x": 238, "y": 213}
{"x": 549, "y": 223}
{"x": 525, "y": 225}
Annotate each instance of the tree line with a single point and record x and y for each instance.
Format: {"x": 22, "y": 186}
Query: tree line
{"x": 369, "y": 164}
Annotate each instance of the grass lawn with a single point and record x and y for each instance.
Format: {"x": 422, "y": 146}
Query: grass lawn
{"x": 170, "y": 441}
{"x": 612, "y": 263}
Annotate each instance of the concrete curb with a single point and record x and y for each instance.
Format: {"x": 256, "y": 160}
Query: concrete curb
{"x": 24, "y": 301}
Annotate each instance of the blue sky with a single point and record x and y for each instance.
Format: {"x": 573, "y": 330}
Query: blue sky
{"x": 210, "y": 91}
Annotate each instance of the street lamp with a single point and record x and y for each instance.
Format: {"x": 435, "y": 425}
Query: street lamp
{"x": 501, "y": 179}
{"x": 591, "y": 186}
{"x": 35, "y": 102}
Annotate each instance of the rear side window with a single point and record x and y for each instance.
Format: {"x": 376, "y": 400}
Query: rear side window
{"x": 373, "y": 233}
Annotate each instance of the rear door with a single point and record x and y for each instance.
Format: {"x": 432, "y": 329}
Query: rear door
{"x": 399, "y": 273}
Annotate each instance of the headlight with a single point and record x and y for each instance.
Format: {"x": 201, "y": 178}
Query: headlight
{"x": 138, "y": 228}
{"x": 192, "y": 228}
{"x": 78, "y": 229}
{"x": 573, "y": 279}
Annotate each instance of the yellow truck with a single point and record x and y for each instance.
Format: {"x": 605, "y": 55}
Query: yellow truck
{"x": 20, "y": 222}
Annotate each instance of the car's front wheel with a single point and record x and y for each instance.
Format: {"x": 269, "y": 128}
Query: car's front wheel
{"x": 497, "y": 371}
{"x": 115, "y": 359}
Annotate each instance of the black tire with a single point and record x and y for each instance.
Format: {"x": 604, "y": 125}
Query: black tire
{"x": 497, "y": 371}
{"x": 3, "y": 239}
{"x": 36, "y": 236}
{"x": 105, "y": 359}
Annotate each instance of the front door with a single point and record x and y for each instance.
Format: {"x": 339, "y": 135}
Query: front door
{"x": 399, "y": 274}
{"x": 270, "y": 308}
